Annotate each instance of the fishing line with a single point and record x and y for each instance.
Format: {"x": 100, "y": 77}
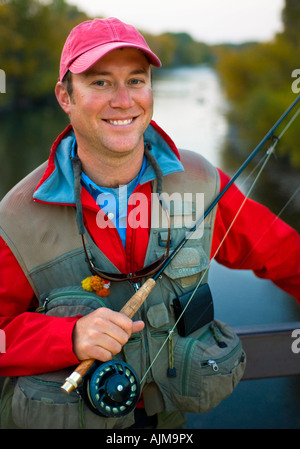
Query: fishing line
{"x": 268, "y": 155}
{"x": 275, "y": 219}
{"x": 215, "y": 254}
{"x": 288, "y": 202}
{"x": 140, "y": 296}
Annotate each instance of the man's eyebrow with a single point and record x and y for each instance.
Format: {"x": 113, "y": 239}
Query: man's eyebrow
{"x": 94, "y": 72}
{"x": 139, "y": 72}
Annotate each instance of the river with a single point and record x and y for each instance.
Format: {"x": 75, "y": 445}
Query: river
{"x": 190, "y": 107}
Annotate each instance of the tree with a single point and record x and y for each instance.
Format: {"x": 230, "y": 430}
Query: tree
{"x": 291, "y": 21}
{"x": 257, "y": 81}
{"x": 32, "y": 35}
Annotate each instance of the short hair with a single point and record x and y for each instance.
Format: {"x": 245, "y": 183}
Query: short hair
{"x": 67, "y": 81}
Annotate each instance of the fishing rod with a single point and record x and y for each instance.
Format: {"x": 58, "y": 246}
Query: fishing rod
{"x": 222, "y": 193}
{"x": 113, "y": 388}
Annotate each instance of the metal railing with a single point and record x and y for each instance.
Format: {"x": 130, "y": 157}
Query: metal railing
{"x": 270, "y": 350}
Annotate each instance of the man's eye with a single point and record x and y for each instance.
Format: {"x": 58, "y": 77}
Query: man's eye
{"x": 100, "y": 83}
{"x": 135, "y": 81}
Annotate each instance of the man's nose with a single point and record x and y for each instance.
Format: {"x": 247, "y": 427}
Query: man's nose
{"x": 122, "y": 98}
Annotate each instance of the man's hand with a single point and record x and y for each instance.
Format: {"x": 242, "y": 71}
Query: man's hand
{"x": 101, "y": 334}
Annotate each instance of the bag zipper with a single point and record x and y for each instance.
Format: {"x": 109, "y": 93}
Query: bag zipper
{"x": 69, "y": 294}
{"x": 211, "y": 363}
{"x": 214, "y": 364}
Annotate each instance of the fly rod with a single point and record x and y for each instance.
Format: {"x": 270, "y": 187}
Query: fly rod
{"x": 222, "y": 193}
{"x": 135, "y": 302}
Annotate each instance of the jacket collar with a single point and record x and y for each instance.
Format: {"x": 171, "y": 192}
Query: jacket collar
{"x": 57, "y": 183}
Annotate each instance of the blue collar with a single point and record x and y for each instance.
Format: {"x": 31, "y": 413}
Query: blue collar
{"x": 58, "y": 188}
{"x": 96, "y": 190}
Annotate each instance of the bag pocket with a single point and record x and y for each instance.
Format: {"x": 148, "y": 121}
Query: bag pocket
{"x": 38, "y": 401}
{"x": 209, "y": 364}
{"x": 40, "y": 404}
{"x": 71, "y": 301}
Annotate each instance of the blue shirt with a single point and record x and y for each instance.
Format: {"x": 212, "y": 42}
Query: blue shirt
{"x": 113, "y": 202}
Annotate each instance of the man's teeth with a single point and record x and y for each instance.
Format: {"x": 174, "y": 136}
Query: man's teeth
{"x": 120, "y": 122}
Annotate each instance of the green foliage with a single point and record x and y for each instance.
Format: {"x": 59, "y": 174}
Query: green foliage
{"x": 290, "y": 18}
{"x": 258, "y": 80}
{"x": 179, "y": 49}
{"x": 256, "y": 77}
{"x": 32, "y": 34}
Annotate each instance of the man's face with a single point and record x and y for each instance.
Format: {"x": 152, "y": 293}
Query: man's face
{"x": 112, "y": 103}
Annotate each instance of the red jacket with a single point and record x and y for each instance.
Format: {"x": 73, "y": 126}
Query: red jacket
{"x": 37, "y": 343}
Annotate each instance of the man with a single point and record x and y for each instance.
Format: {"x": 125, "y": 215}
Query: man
{"x": 72, "y": 219}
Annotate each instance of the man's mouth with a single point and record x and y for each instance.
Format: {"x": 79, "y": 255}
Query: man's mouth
{"x": 120, "y": 122}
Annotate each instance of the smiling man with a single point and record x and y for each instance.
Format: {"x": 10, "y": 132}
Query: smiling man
{"x": 110, "y": 109}
{"x": 74, "y": 250}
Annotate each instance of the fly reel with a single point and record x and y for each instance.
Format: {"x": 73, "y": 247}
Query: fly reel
{"x": 112, "y": 389}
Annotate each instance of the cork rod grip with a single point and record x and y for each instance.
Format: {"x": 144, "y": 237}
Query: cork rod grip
{"x": 130, "y": 309}
{"x": 135, "y": 302}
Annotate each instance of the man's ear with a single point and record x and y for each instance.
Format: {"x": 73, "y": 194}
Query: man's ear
{"x": 63, "y": 97}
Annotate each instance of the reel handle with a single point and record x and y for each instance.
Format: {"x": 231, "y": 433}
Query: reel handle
{"x": 129, "y": 309}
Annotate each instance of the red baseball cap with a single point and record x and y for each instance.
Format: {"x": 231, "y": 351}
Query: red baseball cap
{"x": 91, "y": 40}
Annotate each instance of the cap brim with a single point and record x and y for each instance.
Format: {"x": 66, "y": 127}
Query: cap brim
{"x": 89, "y": 58}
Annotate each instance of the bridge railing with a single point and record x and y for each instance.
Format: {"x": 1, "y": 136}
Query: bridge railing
{"x": 273, "y": 350}
{"x": 270, "y": 350}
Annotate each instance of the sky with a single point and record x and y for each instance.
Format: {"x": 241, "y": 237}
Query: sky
{"x": 210, "y": 21}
